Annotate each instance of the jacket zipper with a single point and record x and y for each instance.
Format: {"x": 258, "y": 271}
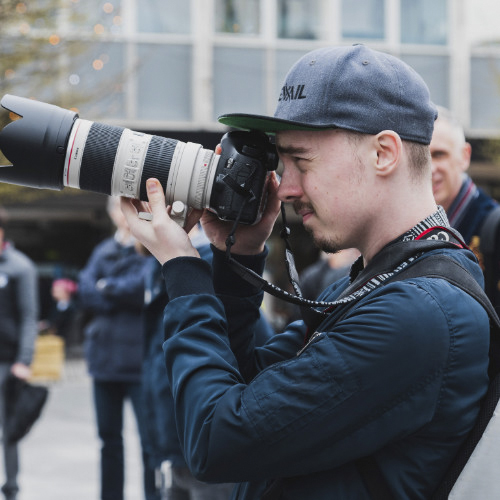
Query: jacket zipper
{"x": 314, "y": 336}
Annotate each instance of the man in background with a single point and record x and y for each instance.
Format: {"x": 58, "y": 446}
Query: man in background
{"x": 111, "y": 289}
{"x": 466, "y": 205}
{"x": 18, "y": 330}
{"x": 329, "y": 268}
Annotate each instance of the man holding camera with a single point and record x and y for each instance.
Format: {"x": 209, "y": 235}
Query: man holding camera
{"x": 394, "y": 371}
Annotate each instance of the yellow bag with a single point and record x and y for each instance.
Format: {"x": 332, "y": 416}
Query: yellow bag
{"x": 48, "y": 360}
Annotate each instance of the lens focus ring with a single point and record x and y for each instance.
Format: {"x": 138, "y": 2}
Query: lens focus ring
{"x": 99, "y": 158}
{"x": 157, "y": 162}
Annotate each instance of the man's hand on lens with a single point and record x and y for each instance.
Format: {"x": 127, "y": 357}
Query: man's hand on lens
{"x": 162, "y": 236}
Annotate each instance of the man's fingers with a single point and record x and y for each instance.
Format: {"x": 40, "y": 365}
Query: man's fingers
{"x": 156, "y": 196}
{"x": 129, "y": 208}
{"x": 192, "y": 219}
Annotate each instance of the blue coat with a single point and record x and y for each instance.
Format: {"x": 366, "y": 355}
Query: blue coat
{"x": 111, "y": 289}
{"x": 162, "y": 441}
{"x": 400, "y": 377}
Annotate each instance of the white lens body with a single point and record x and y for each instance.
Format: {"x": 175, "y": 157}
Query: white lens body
{"x": 129, "y": 162}
{"x": 74, "y": 153}
{"x": 190, "y": 176}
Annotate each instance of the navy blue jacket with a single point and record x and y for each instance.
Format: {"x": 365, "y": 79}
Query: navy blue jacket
{"x": 400, "y": 377}
{"x": 111, "y": 289}
{"x": 162, "y": 441}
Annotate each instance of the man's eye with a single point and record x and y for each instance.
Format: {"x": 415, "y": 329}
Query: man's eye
{"x": 300, "y": 159}
{"x": 438, "y": 154}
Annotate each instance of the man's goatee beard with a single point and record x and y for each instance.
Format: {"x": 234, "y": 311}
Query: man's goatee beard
{"x": 327, "y": 246}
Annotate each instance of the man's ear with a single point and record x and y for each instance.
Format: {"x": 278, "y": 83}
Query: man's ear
{"x": 389, "y": 150}
{"x": 466, "y": 154}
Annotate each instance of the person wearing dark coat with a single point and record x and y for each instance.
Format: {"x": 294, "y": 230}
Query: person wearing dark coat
{"x": 19, "y": 307}
{"x": 467, "y": 206}
{"x": 111, "y": 289}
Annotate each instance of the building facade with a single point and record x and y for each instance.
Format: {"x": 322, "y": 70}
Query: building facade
{"x": 178, "y": 64}
{"x": 170, "y": 67}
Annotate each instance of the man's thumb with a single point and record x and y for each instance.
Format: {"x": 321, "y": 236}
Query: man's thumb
{"x": 154, "y": 190}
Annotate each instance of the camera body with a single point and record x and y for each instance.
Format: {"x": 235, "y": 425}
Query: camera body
{"x": 247, "y": 158}
{"x": 50, "y": 148}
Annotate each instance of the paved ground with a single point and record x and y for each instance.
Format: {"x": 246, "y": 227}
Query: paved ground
{"x": 60, "y": 457}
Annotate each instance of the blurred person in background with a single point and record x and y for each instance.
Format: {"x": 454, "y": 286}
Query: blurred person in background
{"x": 467, "y": 206}
{"x": 111, "y": 290}
{"x": 329, "y": 268}
{"x": 61, "y": 320}
{"x": 18, "y": 329}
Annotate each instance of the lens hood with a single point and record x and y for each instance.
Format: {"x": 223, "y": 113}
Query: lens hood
{"x": 36, "y": 143}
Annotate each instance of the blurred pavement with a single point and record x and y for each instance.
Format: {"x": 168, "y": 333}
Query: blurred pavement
{"x": 59, "y": 458}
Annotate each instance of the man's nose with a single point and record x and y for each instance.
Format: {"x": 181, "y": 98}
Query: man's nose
{"x": 289, "y": 188}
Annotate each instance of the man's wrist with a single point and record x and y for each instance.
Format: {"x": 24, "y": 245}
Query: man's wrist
{"x": 227, "y": 282}
{"x": 187, "y": 276}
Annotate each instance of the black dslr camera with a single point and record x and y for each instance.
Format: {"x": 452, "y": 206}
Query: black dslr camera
{"x": 51, "y": 147}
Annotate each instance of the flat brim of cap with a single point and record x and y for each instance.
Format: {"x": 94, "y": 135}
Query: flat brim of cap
{"x": 266, "y": 124}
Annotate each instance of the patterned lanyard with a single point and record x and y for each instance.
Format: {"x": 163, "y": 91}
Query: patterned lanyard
{"x": 391, "y": 261}
{"x": 425, "y": 228}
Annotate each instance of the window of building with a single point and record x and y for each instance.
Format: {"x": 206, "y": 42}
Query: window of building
{"x": 424, "y": 22}
{"x": 435, "y": 71}
{"x": 239, "y": 81}
{"x": 163, "y": 16}
{"x": 95, "y": 74}
{"x": 39, "y": 78}
{"x": 485, "y": 92}
{"x": 298, "y": 19}
{"x": 363, "y": 19}
{"x": 164, "y": 82}
{"x": 237, "y": 16}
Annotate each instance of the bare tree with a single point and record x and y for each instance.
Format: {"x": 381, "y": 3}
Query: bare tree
{"x": 53, "y": 51}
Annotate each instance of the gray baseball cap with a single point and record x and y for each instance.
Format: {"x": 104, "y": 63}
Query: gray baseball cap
{"x": 349, "y": 87}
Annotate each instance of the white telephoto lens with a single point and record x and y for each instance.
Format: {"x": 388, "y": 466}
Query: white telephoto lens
{"x": 74, "y": 153}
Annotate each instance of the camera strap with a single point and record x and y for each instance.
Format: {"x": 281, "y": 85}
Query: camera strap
{"x": 388, "y": 263}
{"x": 258, "y": 281}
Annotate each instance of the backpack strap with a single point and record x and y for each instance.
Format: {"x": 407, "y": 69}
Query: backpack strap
{"x": 440, "y": 266}
{"x": 488, "y": 406}
{"x": 488, "y": 238}
{"x": 489, "y": 230}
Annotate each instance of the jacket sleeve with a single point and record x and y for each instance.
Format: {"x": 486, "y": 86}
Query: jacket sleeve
{"x": 341, "y": 398}
{"x": 125, "y": 288}
{"x": 105, "y": 287}
{"x": 90, "y": 297}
